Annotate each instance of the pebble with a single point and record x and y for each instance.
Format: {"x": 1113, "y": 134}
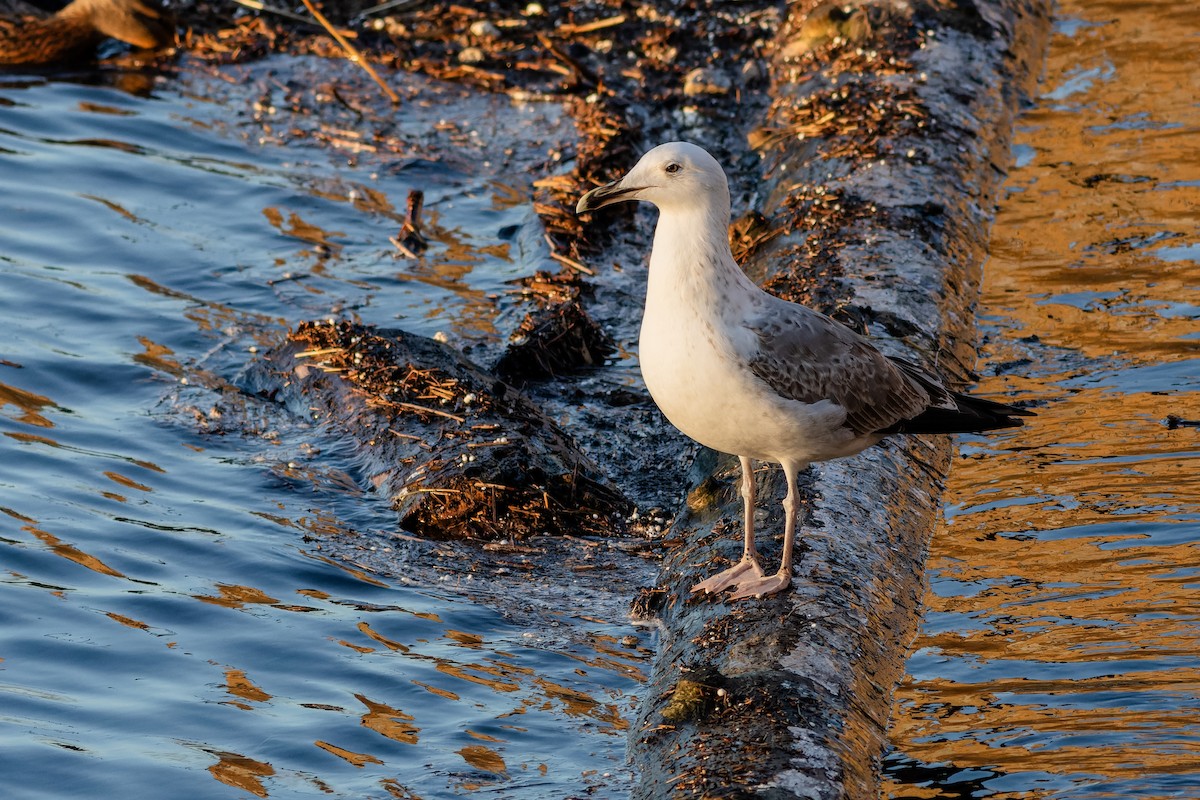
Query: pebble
{"x": 484, "y": 29}
{"x": 752, "y": 70}
{"x": 471, "y": 55}
{"x": 706, "y": 81}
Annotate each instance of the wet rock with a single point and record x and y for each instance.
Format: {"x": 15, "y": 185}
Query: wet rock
{"x": 893, "y": 244}
{"x": 459, "y": 453}
{"x": 833, "y": 22}
{"x": 471, "y": 55}
{"x": 554, "y": 340}
{"x": 748, "y": 232}
{"x": 753, "y": 71}
{"x": 484, "y": 29}
{"x": 557, "y": 336}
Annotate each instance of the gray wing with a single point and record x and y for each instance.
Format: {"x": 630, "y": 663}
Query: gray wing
{"x": 808, "y": 357}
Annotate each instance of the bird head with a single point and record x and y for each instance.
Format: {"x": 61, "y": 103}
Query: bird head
{"x": 672, "y": 174}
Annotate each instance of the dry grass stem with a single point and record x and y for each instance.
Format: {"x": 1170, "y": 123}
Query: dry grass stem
{"x": 355, "y": 56}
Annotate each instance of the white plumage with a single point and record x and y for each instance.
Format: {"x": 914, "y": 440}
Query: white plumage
{"x": 749, "y": 374}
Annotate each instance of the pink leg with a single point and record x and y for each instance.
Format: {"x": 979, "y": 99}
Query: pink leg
{"x": 762, "y": 586}
{"x": 748, "y": 567}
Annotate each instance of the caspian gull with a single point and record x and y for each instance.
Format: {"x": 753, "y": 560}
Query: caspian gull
{"x": 746, "y": 373}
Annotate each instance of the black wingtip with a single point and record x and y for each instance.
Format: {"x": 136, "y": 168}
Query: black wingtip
{"x": 972, "y": 415}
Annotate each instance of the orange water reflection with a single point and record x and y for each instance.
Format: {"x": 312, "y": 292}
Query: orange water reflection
{"x": 1059, "y": 653}
{"x": 241, "y": 772}
{"x": 71, "y": 552}
{"x": 29, "y": 403}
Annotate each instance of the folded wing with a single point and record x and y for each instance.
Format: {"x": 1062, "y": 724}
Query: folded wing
{"x": 809, "y": 357}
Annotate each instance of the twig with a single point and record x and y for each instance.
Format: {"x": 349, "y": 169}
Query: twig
{"x": 403, "y": 250}
{"x": 398, "y": 6}
{"x": 427, "y": 410}
{"x": 579, "y": 71}
{"x": 321, "y": 351}
{"x": 589, "y": 27}
{"x": 338, "y": 96}
{"x": 355, "y": 56}
{"x": 259, "y": 6}
{"x": 572, "y": 263}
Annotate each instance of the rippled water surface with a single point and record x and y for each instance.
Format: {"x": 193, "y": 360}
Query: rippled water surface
{"x": 171, "y": 624}
{"x": 1060, "y": 654}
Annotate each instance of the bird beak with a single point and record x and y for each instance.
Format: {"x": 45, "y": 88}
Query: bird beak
{"x": 605, "y": 195}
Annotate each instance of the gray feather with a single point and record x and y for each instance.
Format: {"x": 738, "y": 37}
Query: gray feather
{"x": 808, "y": 357}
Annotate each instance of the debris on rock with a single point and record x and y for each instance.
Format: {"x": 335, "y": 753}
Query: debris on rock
{"x": 555, "y": 340}
{"x": 558, "y": 336}
{"x": 879, "y": 147}
{"x": 459, "y": 453}
{"x": 704, "y": 80}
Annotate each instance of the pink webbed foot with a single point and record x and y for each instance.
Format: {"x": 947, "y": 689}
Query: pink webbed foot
{"x": 763, "y": 585}
{"x": 745, "y": 570}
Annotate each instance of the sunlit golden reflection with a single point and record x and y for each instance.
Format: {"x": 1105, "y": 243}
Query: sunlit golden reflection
{"x": 233, "y": 596}
{"x": 71, "y": 552}
{"x": 357, "y": 759}
{"x": 238, "y": 685}
{"x": 482, "y": 757}
{"x": 129, "y": 622}
{"x": 1060, "y": 642}
{"x": 240, "y": 772}
{"x": 158, "y": 356}
{"x": 30, "y": 404}
{"x": 299, "y": 228}
{"x": 379, "y": 637}
{"x": 390, "y": 722}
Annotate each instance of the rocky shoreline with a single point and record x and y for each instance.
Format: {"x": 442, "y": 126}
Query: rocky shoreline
{"x": 884, "y": 155}
{"x": 866, "y": 143}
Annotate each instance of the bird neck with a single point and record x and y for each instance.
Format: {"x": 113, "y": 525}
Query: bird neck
{"x": 691, "y": 257}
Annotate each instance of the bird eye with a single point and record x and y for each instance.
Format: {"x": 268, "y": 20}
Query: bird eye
{"x": 672, "y": 168}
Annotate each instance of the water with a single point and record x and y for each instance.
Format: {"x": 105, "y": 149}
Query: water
{"x": 171, "y": 622}
{"x": 1060, "y": 654}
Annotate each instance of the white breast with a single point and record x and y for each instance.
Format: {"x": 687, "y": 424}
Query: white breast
{"x": 694, "y": 358}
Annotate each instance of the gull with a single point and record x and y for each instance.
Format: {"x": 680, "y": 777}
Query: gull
{"x": 749, "y": 374}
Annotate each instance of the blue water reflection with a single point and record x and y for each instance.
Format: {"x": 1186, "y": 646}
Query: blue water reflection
{"x": 171, "y": 624}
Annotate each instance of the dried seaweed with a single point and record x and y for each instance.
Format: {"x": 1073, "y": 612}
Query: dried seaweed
{"x": 459, "y": 453}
